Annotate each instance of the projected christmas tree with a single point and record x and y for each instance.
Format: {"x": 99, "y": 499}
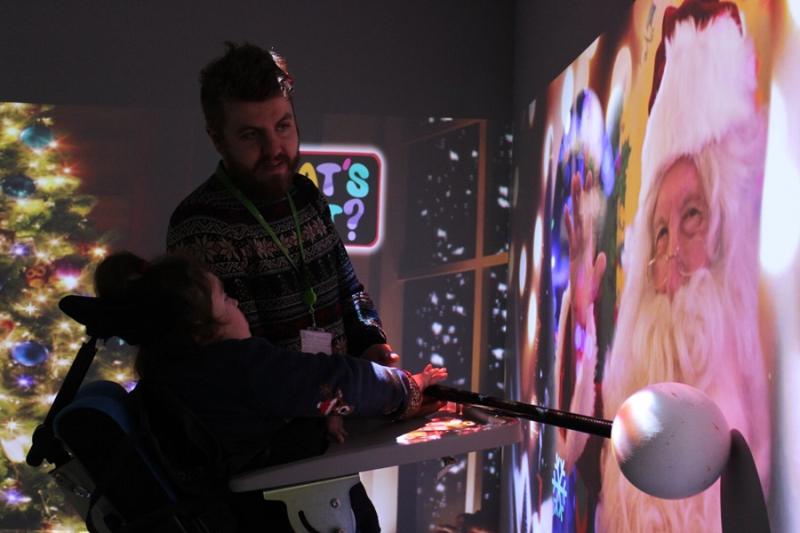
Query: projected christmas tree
{"x": 48, "y": 248}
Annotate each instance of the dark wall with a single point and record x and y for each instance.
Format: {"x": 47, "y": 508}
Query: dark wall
{"x": 550, "y": 34}
{"x": 417, "y": 57}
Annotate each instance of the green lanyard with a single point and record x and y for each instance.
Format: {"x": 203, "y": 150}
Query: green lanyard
{"x": 309, "y": 296}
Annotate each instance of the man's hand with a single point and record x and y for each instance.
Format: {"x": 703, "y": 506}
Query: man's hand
{"x": 381, "y": 354}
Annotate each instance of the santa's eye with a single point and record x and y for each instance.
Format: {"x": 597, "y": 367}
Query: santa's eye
{"x": 692, "y": 220}
{"x": 661, "y": 236}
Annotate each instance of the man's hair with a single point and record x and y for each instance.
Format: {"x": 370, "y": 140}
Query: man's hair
{"x": 245, "y": 73}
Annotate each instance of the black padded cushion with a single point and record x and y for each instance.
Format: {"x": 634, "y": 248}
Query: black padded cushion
{"x": 103, "y": 319}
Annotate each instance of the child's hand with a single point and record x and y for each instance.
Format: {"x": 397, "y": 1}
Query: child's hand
{"x": 426, "y": 405}
{"x": 335, "y": 426}
{"x": 430, "y": 376}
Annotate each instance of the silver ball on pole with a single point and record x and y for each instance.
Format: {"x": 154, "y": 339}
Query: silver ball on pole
{"x": 671, "y": 440}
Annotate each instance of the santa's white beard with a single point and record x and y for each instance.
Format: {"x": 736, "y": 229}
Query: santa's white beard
{"x": 702, "y": 338}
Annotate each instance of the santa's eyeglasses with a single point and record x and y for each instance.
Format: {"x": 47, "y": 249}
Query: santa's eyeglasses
{"x": 658, "y": 269}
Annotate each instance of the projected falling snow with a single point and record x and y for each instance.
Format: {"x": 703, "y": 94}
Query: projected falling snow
{"x": 438, "y": 321}
{"x": 498, "y": 192}
{"x": 443, "y": 173}
{"x": 493, "y": 374}
{"x": 438, "y": 317}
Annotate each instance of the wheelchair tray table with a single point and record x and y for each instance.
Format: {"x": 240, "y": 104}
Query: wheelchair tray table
{"x": 374, "y": 444}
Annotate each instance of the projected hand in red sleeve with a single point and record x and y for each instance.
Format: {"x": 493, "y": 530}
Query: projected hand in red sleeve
{"x": 577, "y": 344}
{"x": 585, "y": 271}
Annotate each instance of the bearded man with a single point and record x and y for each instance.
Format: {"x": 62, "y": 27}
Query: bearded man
{"x": 265, "y": 230}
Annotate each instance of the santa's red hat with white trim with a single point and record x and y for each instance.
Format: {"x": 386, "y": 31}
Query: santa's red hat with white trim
{"x": 703, "y": 84}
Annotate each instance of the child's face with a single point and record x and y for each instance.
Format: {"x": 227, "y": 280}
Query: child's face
{"x": 226, "y": 310}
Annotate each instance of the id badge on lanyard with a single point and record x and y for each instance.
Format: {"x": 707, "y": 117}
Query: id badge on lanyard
{"x": 313, "y": 339}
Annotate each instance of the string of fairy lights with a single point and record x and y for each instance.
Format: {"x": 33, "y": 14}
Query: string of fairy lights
{"x": 48, "y": 249}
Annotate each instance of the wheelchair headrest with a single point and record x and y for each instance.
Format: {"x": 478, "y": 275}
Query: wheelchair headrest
{"x": 103, "y": 319}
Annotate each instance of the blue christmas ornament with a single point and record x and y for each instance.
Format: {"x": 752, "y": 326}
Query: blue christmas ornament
{"x": 36, "y": 136}
{"x": 18, "y": 185}
{"x": 29, "y": 353}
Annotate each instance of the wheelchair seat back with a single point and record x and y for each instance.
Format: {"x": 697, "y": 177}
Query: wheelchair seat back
{"x": 104, "y": 429}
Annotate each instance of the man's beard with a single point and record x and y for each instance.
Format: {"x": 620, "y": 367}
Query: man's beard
{"x": 260, "y": 181}
{"x": 699, "y": 338}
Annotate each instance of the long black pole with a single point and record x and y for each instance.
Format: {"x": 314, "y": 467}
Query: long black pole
{"x": 45, "y": 445}
{"x": 545, "y": 415}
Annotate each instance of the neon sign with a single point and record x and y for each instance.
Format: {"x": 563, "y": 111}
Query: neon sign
{"x": 351, "y": 178}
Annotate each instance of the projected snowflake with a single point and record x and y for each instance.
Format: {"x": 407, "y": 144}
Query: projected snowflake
{"x": 559, "y": 488}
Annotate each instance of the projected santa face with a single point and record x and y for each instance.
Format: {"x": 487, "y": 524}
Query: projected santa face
{"x": 679, "y": 228}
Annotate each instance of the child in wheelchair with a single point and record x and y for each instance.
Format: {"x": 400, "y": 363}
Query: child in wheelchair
{"x": 216, "y": 401}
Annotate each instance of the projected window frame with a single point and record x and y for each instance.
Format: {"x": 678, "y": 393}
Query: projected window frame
{"x": 481, "y": 267}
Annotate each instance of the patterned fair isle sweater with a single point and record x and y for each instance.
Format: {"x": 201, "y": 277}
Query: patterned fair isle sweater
{"x": 216, "y": 229}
